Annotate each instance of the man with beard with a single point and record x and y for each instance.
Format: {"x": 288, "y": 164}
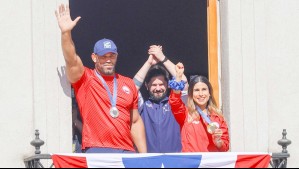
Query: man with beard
{"x": 108, "y": 102}
{"x": 162, "y": 130}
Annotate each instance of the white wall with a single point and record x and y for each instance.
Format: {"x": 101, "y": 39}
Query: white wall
{"x": 259, "y": 46}
{"x": 16, "y": 93}
{"x": 33, "y": 96}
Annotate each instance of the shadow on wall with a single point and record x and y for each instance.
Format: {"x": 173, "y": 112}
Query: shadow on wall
{"x": 65, "y": 84}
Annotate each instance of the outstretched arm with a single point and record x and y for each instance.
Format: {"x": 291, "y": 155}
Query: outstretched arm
{"x": 178, "y": 108}
{"x": 74, "y": 65}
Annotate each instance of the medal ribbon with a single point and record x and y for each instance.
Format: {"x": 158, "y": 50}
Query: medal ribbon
{"x": 203, "y": 115}
{"x": 112, "y": 98}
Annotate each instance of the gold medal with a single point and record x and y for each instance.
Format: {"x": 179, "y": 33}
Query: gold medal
{"x": 114, "y": 112}
{"x": 212, "y": 127}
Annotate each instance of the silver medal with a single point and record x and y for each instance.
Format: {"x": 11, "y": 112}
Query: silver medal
{"x": 114, "y": 112}
{"x": 212, "y": 127}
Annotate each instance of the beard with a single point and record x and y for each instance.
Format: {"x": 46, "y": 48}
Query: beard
{"x": 106, "y": 71}
{"x": 156, "y": 97}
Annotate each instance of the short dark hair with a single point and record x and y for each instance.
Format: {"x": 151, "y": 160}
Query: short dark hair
{"x": 156, "y": 70}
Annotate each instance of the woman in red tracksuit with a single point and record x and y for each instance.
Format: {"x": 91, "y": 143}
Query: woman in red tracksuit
{"x": 203, "y": 128}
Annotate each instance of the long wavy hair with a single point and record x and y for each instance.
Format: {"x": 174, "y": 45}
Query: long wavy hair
{"x": 212, "y": 107}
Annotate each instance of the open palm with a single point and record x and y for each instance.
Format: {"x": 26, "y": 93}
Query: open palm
{"x": 64, "y": 19}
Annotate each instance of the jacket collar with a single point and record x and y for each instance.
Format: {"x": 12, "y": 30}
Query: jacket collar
{"x": 158, "y": 102}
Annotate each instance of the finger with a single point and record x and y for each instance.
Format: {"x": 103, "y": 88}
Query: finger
{"x": 180, "y": 64}
{"x": 56, "y": 13}
{"x": 60, "y": 9}
{"x": 217, "y": 136}
{"x": 63, "y": 8}
{"x": 218, "y": 131}
{"x": 151, "y": 51}
{"x": 179, "y": 67}
{"x": 215, "y": 133}
{"x": 58, "y": 73}
{"x": 67, "y": 9}
{"x": 77, "y": 19}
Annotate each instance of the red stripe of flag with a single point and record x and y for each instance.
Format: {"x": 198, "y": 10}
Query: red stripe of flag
{"x": 61, "y": 161}
{"x": 253, "y": 161}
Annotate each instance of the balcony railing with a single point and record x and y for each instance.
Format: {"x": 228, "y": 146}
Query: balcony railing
{"x": 279, "y": 160}
{"x": 35, "y": 160}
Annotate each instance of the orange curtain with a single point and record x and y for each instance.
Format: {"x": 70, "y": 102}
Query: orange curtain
{"x": 213, "y": 46}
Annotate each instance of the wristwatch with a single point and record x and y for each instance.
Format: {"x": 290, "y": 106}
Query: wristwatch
{"x": 164, "y": 60}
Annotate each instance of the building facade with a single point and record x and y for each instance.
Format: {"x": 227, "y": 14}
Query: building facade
{"x": 258, "y": 65}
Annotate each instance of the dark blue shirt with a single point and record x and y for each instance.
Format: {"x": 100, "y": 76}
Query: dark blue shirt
{"x": 162, "y": 131}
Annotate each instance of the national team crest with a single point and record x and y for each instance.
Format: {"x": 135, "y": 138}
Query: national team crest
{"x": 126, "y": 90}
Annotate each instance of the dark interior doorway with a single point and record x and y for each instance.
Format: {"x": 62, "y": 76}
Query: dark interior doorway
{"x": 179, "y": 26}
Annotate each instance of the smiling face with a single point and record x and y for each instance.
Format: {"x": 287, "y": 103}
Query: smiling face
{"x": 201, "y": 94}
{"x": 105, "y": 64}
{"x": 156, "y": 82}
{"x": 157, "y": 87}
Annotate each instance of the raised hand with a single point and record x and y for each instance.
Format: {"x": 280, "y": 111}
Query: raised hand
{"x": 63, "y": 16}
{"x": 156, "y": 50}
{"x": 179, "y": 68}
{"x": 152, "y": 60}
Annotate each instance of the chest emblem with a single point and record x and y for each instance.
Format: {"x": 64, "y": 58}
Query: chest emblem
{"x": 166, "y": 108}
{"x": 149, "y": 105}
{"x": 191, "y": 120}
{"x": 126, "y": 90}
{"x": 195, "y": 122}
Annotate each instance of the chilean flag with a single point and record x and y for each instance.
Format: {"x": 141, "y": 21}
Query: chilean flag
{"x": 167, "y": 160}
